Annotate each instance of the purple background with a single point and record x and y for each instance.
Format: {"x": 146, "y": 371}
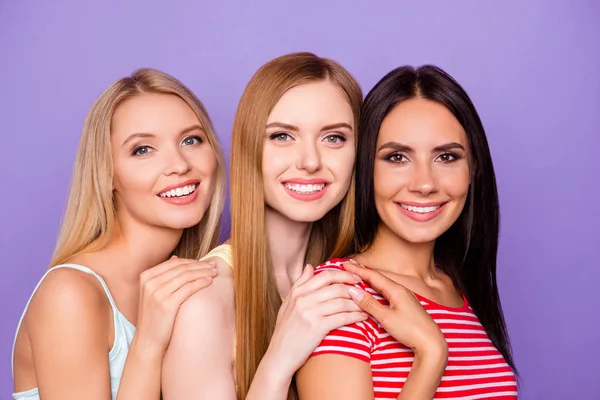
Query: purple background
{"x": 531, "y": 68}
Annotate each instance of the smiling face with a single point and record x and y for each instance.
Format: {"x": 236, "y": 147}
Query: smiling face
{"x": 421, "y": 171}
{"x": 309, "y": 151}
{"x": 164, "y": 166}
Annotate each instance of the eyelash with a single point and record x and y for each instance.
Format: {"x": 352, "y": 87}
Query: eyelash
{"x": 455, "y": 157}
{"x": 278, "y": 135}
{"x": 136, "y": 150}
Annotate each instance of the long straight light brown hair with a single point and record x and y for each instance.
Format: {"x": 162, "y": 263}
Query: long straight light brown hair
{"x": 257, "y": 298}
{"x": 89, "y": 219}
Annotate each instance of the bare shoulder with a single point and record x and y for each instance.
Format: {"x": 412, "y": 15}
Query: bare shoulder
{"x": 68, "y": 291}
{"x": 68, "y": 303}
{"x": 216, "y": 300}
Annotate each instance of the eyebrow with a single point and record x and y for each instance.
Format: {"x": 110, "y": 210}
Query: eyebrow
{"x": 296, "y": 129}
{"x": 151, "y": 135}
{"x": 407, "y": 149}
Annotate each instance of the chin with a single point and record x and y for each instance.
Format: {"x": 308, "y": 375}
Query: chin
{"x": 182, "y": 222}
{"x": 417, "y": 236}
{"x": 307, "y": 215}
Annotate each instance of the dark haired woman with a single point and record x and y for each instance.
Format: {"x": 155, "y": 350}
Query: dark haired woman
{"x": 427, "y": 238}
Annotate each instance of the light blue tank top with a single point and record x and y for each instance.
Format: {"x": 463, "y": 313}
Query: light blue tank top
{"x": 124, "y": 331}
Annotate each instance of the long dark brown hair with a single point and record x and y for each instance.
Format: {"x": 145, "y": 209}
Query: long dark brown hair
{"x": 467, "y": 251}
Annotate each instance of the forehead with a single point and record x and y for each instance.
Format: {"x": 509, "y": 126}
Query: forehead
{"x": 421, "y": 121}
{"x": 313, "y": 104}
{"x": 153, "y": 113}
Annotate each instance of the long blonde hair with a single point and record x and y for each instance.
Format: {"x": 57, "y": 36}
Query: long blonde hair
{"x": 89, "y": 219}
{"x": 256, "y": 296}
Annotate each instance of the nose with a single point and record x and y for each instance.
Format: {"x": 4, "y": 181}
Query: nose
{"x": 309, "y": 157}
{"x": 176, "y": 162}
{"x": 423, "y": 180}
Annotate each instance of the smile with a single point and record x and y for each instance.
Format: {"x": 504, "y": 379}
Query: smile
{"x": 420, "y": 210}
{"x": 305, "y": 189}
{"x": 180, "y": 191}
{"x": 421, "y": 213}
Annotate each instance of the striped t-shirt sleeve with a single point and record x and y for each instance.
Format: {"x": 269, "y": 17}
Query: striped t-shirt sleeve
{"x": 353, "y": 340}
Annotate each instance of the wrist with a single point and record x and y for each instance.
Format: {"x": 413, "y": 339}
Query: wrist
{"x": 433, "y": 355}
{"x": 145, "y": 349}
{"x": 275, "y": 371}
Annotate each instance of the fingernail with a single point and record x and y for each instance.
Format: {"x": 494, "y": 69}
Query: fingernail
{"x": 212, "y": 263}
{"x": 355, "y": 263}
{"x": 356, "y": 294}
{"x": 357, "y": 278}
{"x": 214, "y": 271}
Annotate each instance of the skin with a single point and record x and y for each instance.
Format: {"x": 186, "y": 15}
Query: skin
{"x": 309, "y": 134}
{"x": 68, "y": 329}
{"x": 422, "y": 157}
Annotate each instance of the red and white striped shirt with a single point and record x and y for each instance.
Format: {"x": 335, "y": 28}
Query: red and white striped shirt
{"x": 475, "y": 370}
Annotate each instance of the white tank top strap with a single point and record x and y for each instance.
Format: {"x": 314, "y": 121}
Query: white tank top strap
{"x": 79, "y": 268}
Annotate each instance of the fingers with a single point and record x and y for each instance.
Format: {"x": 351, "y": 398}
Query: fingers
{"x": 368, "y": 303}
{"x": 160, "y": 268}
{"x": 337, "y": 306}
{"x": 338, "y": 320}
{"x": 175, "y": 268}
{"x": 327, "y": 278}
{"x": 376, "y": 280}
{"x": 187, "y": 290}
{"x": 307, "y": 273}
{"x": 327, "y": 293}
{"x": 184, "y": 277}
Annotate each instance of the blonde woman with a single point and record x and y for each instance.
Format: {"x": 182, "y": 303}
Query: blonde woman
{"x": 145, "y": 204}
{"x": 292, "y": 203}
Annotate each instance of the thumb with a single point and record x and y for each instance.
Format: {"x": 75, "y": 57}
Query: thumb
{"x": 307, "y": 273}
{"x": 367, "y": 302}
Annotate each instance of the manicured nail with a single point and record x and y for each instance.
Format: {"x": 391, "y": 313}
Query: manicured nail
{"x": 356, "y": 294}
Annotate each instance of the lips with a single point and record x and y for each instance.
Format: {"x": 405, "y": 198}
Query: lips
{"x": 421, "y": 212}
{"x": 306, "y": 189}
{"x": 179, "y": 190}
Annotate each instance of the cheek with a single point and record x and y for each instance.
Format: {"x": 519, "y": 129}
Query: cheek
{"x": 134, "y": 177}
{"x": 341, "y": 163}
{"x": 456, "y": 183}
{"x": 275, "y": 162}
{"x": 387, "y": 181}
{"x": 205, "y": 161}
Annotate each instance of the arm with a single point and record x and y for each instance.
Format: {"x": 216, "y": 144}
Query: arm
{"x": 315, "y": 306}
{"x": 198, "y": 362}
{"x": 68, "y": 324}
{"x": 333, "y": 377}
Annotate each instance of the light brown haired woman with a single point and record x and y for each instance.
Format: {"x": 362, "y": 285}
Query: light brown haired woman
{"x": 145, "y": 204}
{"x": 292, "y": 203}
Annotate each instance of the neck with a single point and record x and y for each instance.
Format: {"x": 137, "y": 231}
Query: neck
{"x": 391, "y": 253}
{"x": 136, "y": 247}
{"x": 288, "y": 241}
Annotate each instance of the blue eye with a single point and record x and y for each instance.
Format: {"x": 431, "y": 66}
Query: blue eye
{"x": 335, "y": 139}
{"x": 192, "y": 140}
{"x": 140, "y": 150}
{"x": 280, "y": 137}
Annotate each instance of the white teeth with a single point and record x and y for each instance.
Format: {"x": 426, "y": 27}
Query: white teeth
{"x": 421, "y": 210}
{"x": 180, "y": 191}
{"x": 304, "y": 189}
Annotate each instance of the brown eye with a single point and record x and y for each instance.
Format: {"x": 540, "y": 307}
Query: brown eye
{"x": 448, "y": 157}
{"x": 396, "y": 158}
